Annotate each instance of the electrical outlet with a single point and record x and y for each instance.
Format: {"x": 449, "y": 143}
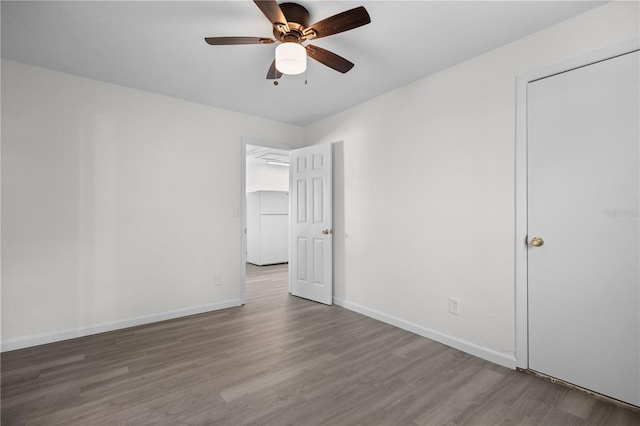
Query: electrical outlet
{"x": 218, "y": 281}
{"x": 454, "y": 306}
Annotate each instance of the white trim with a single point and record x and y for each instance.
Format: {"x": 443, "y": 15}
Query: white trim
{"x": 289, "y": 252}
{"x": 41, "y": 339}
{"x": 471, "y": 348}
{"x": 522, "y": 347}
{"x": 243, "y": 220}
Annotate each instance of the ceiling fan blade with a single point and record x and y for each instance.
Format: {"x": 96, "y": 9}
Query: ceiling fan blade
{"x": 222, "y": 41}
{"x": 273, "y": 73}
{"x": 272, "y": 11}
{"x": 329, "y": 59}
{"x": 341, "y": 22}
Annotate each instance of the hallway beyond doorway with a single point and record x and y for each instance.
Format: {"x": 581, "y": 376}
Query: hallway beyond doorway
{"x": 266, "y": 281}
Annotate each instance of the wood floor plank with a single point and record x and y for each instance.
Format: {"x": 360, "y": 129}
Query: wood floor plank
{"x": 279, "y": 360}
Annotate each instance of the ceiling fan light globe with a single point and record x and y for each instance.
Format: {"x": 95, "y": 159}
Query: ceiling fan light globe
{"x": 291, "y": 58}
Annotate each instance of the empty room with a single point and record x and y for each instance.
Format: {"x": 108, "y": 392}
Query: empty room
{"x": 320, "y": 212}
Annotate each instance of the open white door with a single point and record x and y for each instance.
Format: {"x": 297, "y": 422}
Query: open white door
{"x": 310, "y": 260}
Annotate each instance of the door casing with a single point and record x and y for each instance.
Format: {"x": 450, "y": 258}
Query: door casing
{"x": 521, "y": 302}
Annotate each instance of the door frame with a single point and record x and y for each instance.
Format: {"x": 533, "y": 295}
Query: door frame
{"x": 521, "y": 208}
{"x": 244, "y": 141}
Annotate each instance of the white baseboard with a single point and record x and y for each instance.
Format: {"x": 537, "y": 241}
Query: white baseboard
{"x": 41, "y": 339}
{"x": 468, "y": 347}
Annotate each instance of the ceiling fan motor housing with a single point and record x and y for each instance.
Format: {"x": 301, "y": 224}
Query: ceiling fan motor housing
{"x": 297, "y": 19}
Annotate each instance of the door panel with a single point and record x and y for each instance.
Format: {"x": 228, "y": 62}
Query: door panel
{"x": 318, "y": 194}
{"x": 301, "y": 198}
{"x": 301, "y": 261}
{"x": 584, "y": 200}
{"x": 318, "y": 261}
{"x": 311, "y": 275}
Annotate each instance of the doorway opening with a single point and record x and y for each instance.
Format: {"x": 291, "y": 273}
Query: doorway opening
{"x": 266, "y": 220}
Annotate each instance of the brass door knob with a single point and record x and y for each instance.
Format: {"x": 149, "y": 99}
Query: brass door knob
{"x": 537, "y": 241}
{"x": 325, "y": 232}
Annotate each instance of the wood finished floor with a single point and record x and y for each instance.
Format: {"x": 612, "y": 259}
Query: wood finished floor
{"x": 279, "y": 360}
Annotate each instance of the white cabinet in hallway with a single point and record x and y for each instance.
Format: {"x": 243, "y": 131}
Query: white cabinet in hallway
{"x": 267, "y": 227}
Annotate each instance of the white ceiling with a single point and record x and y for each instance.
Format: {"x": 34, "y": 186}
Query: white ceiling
{"x": 159, "y": 47}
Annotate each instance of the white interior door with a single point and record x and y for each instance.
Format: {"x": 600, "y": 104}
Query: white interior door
{"x": 583, "y": 201}
{"x": 310, "y": 273}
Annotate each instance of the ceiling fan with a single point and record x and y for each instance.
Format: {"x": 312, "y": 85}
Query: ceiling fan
{"x": 291, "y": 28}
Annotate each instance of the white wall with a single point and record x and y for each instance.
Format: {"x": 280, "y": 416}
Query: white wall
{"x": 266, "y": 177}
{"x": 117, "y": 204}
{"x": 424, "y": 178}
